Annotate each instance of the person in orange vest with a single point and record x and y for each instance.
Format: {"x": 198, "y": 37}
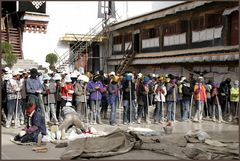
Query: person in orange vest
{"x": 200, "y": 98}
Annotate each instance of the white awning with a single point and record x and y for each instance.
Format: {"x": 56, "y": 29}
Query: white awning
{"x": 35, "y": 16}
{"x": 188, "y": 59}
{"x": 229, "y": 11}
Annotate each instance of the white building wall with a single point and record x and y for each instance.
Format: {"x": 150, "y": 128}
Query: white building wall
{"x": 65, "y": 17}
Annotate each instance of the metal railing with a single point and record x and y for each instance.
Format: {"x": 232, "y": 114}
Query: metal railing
{"x": 63, "y": 59}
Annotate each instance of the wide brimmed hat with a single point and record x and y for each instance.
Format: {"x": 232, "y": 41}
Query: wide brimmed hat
{"x": 75, "y": 74}
{"x": 112, "y": 73}
{"x": 16, "y": 72}
{"x": 115, "y": 78}
{"x": 34, "y": 71}
{"x": 57, "y": 77}
{"x": 83, "y": 78}
{"x": 68, "y": 79}
{"x": 46, "y": 77}
{"x": 182, "y": 79}
{"x": 96, "y": 76}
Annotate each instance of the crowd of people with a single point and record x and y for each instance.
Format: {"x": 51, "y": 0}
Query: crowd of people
{"x": 97, "y": 96}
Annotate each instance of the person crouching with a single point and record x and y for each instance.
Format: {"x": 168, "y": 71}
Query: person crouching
{"x": 70, "y": 117}
{"x": 35, "y": 125}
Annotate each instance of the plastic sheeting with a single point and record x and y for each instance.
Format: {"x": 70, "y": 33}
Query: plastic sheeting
{"x": 207, "y": 34}
{"x": 117, "y": 47}
{"x": 175, "y": 39}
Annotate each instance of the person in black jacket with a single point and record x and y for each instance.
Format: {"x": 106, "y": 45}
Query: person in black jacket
{"x": 126, "y": 99}
{"x": 225, "y": 87}
{"x": 186, "y": 97}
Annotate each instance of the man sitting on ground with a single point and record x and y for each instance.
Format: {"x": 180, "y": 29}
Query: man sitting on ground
{"x": 35, "y": 125}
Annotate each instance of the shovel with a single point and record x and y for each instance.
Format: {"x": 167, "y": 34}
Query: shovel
{"x": 16, "y": 112}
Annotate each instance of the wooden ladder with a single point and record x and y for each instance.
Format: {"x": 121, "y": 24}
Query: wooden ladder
{"x": 13, "y": 36}
{"x": 127, "y": 58}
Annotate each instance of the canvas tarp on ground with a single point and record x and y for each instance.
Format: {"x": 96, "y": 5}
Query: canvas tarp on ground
{"x": 175, "y": 146}
{"x": 116, "y": 142}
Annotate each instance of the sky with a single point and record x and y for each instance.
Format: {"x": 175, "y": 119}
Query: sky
{"x": 82, "y": 16}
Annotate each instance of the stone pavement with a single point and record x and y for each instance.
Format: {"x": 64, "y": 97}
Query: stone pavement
{"x": 222, "y": 132}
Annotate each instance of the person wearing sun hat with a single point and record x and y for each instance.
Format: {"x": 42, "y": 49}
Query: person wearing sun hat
{"x": 216, "y": 109}
{"x": 34, "y": 88}
{"x": 128, "y": 88}
{"x": 67, "y": 91}
{"x": 24, "y": 89}
{"x": 80, "y": 92}
{"x": 113, "y": 90}
{"x": 200, "y": 98}
{"x": 171, "y": 98}
{"x": 160, "y": 93}
{"x": 95, "y": 88}
{"x": 234, "y": 100}
{"x": 57, "y": 77}
{"x": 13, "y": 89}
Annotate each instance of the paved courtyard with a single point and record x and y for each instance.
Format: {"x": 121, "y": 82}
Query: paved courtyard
{"x": 221, "y": 132}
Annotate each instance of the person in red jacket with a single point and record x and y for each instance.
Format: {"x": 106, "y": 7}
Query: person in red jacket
{"x": 67, "y": 91}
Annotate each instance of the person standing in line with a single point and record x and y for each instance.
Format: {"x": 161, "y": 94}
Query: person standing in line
{"x": 52, "y": 100}
{"x": 128, "y": 88}
{"x": 160, "y": 93}
{"x": 207, "y": 107}
{"x": 57, "y": 79}
{"x": 13, "y": 90}
{"x": 67, "y": 91}
{"x": 45, "y": 93}
{"x": 80, "y": 92}
{"x": 186, "y": 98}
{"x": 113, "y": 90}
{"x": 105, "y": 99}
{"x": 224, "y": 88}
{"x": 24, "y": 93}
{"x": 95, "y": 88}
{"x": 34, "y": 88}
{"x": 234, "y": 100}
{"x": 142, "y": 99}
{"x": 216, "y": 107}
{"x": 172, "y": 97}
{"x": 200, "y": 98}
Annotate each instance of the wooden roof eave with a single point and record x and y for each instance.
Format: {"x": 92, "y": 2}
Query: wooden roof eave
{"x": 158, "y": 14}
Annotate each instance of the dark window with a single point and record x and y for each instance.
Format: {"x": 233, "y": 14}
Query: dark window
{"x": 117, "y": 40}
{"x": 213, "y": 20}
{"x": 150, "y": 33}
{"x": 182, "y": 26}
{"x": 127, "y": 37}
{"x": 170, "y": 29}
{"x": 198, "y": 23}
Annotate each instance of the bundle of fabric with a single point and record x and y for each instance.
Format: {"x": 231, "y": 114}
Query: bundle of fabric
{"x": 116, "y": 142}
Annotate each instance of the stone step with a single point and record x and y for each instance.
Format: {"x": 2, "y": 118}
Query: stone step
{"x": 25, "y": 64}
